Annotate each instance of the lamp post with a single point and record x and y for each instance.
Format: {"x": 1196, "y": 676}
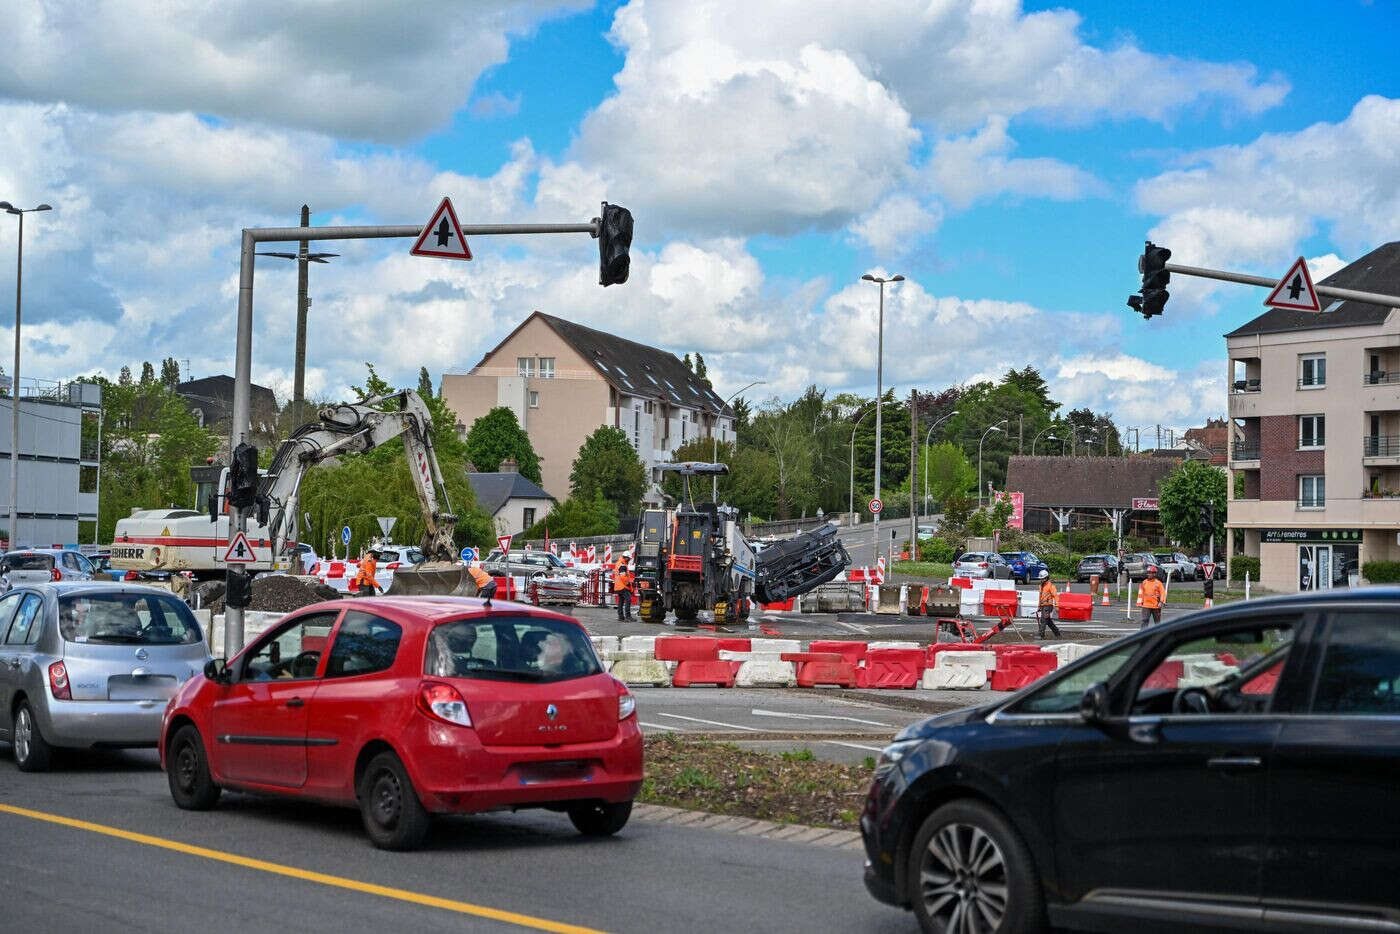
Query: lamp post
{"x": 996, "y": 427}
{"x": 1037, "y": 438}
{"x": 928, "y": 434}
{"x": 851, "y": 506}
{"x": 14, "y": 390}
{"x": 879, "y": 388}
{"x": 302, "y": 257}
{"x": 714, "y": 454}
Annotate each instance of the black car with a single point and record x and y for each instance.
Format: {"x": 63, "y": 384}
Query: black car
{"x": 1236, "y": 768}
{"x": 1105, "y": 566}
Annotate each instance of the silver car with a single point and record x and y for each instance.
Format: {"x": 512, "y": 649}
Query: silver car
{"x": 42, "y": 565}
{"x": 89, "y": 664}
{"x": 983, "y": 564}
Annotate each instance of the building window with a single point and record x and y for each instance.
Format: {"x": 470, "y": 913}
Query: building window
{"x": 546, "y": 368}
{"x": 637, "y": 428}
{"x": 649, "y": 408}
{"x": 1312, "y": 371}
{"x": 1311, "y": 431}
{"x": 683, "y": 424}
{"x": 1312, "y": 491}
{"x": 525, "y": 366}
{"x": 529, "y": 516}
{"x": 87, "y": 479}
{"x": 534, "y": 399}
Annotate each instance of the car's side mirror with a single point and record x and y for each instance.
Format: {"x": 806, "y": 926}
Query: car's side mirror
{"x": 1093, "y": 706}
{"x": 216, "y": 669}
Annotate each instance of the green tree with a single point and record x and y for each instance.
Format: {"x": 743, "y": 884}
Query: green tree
{"x": 949, "y": 472}
{"x": 425, "y": 383}
{"x": 606, "y": 463}
{"x": 700, "y": 372}
{"x": 1180, "y": 497}
{"x": 576, "y": 517}
{"x": 170, "y": 372}
{"x": 497, "y": 436}
{"x": 148, "y": 373}
{"x": 1029, "y": 381}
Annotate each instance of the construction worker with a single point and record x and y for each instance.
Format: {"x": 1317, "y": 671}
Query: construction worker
{"x": 622, "y": 588}
{"x": 485, "y": 583}
{"x": 1151, "y": 596}
{"x": 1045, "y": 612}
{"x": 364, "y": 584}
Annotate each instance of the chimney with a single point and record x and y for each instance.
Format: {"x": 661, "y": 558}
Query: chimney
{"x": 510, "y": 466}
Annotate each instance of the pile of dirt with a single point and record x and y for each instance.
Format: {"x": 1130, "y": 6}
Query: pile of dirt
{"x": 278, "y": 593}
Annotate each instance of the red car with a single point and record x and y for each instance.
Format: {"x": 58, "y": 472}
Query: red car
{"x": 411, "y": 706}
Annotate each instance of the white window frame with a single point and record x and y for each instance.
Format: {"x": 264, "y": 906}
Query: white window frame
{"x": 546, "y": 368}
{"x": 525, "y": 366}
{"x": 1315, "y": 359}
{"x": 534, "y": 398}
{"x": 1316, "y": 502}
{"x": 1319, "y": 432}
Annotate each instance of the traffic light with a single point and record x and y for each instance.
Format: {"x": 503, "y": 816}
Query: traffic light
{"x": 238, "y": 588}
{"x": 243, "y": 476}
{"x": 614, "y": 240}
{"x": 1207, "y": 519}
{"x": 1153, "y": 297}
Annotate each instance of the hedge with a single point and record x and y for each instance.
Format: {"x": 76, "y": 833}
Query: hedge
{"x": 1381, "y": 572}
{"x": 937, "y": 550}
{"x": 1241, "y": 563}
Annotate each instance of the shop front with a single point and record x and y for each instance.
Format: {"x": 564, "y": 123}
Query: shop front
{"x": 1320, "y": 559}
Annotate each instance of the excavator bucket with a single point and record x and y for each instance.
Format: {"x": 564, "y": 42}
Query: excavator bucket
{"x": 432, "y": 579}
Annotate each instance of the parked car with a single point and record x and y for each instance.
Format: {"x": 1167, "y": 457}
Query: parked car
{"x": 1201, "y": 560}
{"x": 392, "y": 556}
{"x": 89, "y": 664}
{"x": 529, "y": 564}
{"x": 1127, "y": 790}
{"x": 1137, "y": 565}
{"x": 102, "y": 567}
{"x": 43, "y": 565}
{"x": 1176, "y": 566}
{"x": 1105, "y": 566}
{"x": 983, "y": 564}
{"x": 407, "y": 707}
{"x": 1025, "y": 566}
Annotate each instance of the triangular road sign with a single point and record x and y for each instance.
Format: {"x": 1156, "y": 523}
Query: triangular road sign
{"x": 442, "y": 235}
{"x": 1295, "y": 290}
{"x": 239, "y": 551}
{"x": 504, "y": 543}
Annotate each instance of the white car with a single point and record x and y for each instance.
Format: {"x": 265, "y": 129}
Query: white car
{"x": 30, "y": 566}
{"x": 1176, "y": 565}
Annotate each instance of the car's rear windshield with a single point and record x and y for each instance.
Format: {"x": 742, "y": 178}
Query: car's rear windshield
{"x": 126, "y": 619}
{"x": 510, "y": 648}
{"x": 28, "y": 563}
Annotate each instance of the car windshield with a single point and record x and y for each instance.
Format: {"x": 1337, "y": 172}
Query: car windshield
{"x": 505, "y": 648}
{"x": 126, "y": 619}
{"x": 1165, "y": 559}
{"x": 28, "y": 563}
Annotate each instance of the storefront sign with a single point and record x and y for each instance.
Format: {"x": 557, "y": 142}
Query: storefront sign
{"x": 1310, "y": 536}
{"x": 1141, "y": 502}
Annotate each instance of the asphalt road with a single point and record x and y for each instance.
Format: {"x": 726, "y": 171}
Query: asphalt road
{"x": 185, "y": 872}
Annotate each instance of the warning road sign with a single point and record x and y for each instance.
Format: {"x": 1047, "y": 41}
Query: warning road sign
{"x": 239, "y": 551}
{"x": 1295, "y": 290}
{"x": 442, "y": 235}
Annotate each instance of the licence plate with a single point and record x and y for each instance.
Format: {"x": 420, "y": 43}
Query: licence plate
{"x": 533, "y": 773}
{"x": 140, "y": 687}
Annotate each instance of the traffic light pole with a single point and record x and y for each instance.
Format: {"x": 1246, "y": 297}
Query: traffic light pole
{"x": 243, "y": 364}
{"x": 1351, "y": 295}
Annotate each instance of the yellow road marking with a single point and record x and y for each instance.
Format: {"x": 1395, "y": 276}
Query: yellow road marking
{"x": 306, "y": 875}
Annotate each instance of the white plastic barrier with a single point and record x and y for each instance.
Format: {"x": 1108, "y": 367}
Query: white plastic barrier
{"x": 986, "y": 660}
{"x": 761, "y": 670}
{"x": 606, "y": 646}
{"x": 957, "y": 677}
{"x": 634, "y": 668}
{"x": 895, "y": 645}
{"x": 1066, "y": 652}
{"x": 970, "y": 602}
{"x": 255, "y": 623}
{"x": 1199, "y": 673}
{"x": 645, "y": 645}
{"x": 1027, "y": 603}
{"x": 775, "y": 646}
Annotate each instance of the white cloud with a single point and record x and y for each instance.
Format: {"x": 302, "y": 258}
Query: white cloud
{"x": 896, "y": 223}
{"x": 382, "y": 71}
{"x": 969, "y": 168}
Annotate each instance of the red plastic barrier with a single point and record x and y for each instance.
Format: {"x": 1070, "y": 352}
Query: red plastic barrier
{"x": 850, "y": 651}
{"x": 686, "y": 649}
{"x": 891, "y": 668}
{"x": 1013, "y": 648}
{"x": 962, "y": 582}
{"x": 999, "y": 602}
{"x": 1165, "y": 677}
{"x": 1226, "y": 658}
{"x": 735, "y": 645}
{"x": 857, "y": 576}
{"x": 1015, "y": 670}
{"x": 817, "y": 668}
{"x": 701, "y": 671}
{"x": 337, "y": 569}
{"x": 1076, "y": 607}
{"x": 780, "y": 607}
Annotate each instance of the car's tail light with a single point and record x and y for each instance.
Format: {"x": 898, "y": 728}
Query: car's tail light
{"x": 982, "y": 565}
{"x": 626, "y": 704}
{"x": 130, "y": 576}
{"x": 392, "y": 566}
{"x": 443, "y": 702}
{"x": 55, "y": 574}
{"x": 58, "y": 682}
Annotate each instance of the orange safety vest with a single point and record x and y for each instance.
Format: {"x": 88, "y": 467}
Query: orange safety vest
{"x": 1048, "y": 593}
{"x": 365, "y": 576}
{"x": 622, "y": 580}
{"x": 1151, "y": 594}
{"x": 479, "y": 576}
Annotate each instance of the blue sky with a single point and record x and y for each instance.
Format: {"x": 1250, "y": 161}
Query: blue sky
{"x": 1008, "y": 159}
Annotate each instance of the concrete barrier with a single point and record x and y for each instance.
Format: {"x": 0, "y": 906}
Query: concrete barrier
{"x": 761, "y": 669}
{"x": 887, "y": 599}
{"x": 634, "y": 668}
{"x": 954, "y": 677}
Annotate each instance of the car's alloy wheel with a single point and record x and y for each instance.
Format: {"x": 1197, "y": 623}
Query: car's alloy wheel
{"x": 32, "y": 751}
{"x": 963, "y": 879}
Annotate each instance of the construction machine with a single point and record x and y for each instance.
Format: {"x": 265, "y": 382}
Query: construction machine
{"x": 695, "y": 557}
{"x": 186, "y": 542}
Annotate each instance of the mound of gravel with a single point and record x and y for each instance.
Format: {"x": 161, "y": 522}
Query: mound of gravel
{"x": 280, "y": 593}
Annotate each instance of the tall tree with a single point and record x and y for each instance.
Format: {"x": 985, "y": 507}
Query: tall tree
{"x": 425, "y": 383}
{"x": 124, "y": 378}
{"x": 606, "y": 463}
{"x": 497, "y": 436}
{"x": 1180, "y": 497}
{"x": 170, "y": 372}
{"x": 689, "y": 364}
{"x": 700, "y": 372}
{"x": 1029, "y": 380}
{"x": 148, "y": 373}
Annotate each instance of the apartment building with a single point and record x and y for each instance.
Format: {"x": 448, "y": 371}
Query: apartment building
{"x": 563, "y": 380}
{"x": 1314, "y": 405}
{"x": 59, "y": 435}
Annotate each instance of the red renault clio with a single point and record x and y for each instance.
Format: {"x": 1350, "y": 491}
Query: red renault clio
{"x": 411, "y": 706}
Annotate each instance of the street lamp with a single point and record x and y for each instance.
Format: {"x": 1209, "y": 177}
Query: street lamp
{"x": 9, "y": 208}
{"x": 879, "y": 388}
{"x": 996, "y": 427}
{"x": 851, "y": 506}
{"x": 1037, "y": 438}
{"x": 928, "y": 434}
{"x": 714, "y": 455}
{"x": 302, "y": 257}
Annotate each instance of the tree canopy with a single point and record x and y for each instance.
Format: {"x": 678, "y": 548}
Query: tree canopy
{"x": 497, "y": 436}
{"x": 1180, "y": 496}
{"x": 607, "y": 464}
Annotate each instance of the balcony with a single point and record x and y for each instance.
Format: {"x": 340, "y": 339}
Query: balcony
{"x": 1244, "y": 451}
{"x": 1380, "y": 446}
{"x": 1380, "y": 378}
{"x": 1246, "y": 385}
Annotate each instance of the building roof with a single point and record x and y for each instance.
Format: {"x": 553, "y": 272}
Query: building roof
{"x": 221, "y": 388}
{"x": 633, "y": 368}
{"x": 1377, "y": 271}
{"x": 494, "y": 490}
{"x": 1087, "y": 482}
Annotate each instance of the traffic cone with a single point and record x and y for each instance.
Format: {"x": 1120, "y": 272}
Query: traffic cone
{"x": 1105, "y": 601}
{"x": 1209, "y": 603}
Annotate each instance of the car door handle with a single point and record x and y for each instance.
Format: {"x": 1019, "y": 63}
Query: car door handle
{"x": 298, "y": 702}
{"x": 1234, "y": 762}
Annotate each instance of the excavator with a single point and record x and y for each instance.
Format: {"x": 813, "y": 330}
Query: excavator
{"x": 182, "y": 540}
{"x": 695, "y": 557}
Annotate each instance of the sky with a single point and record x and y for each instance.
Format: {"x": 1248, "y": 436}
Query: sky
{"x": 1008, "y": 158}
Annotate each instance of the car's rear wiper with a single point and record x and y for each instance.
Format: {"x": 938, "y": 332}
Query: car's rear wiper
{"x": 116, "y": 637}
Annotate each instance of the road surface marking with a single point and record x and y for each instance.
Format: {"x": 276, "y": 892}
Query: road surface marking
{"x": 731, "y": 726}
{"x": 853, "y": 627}
{"x": 306, "y": 875}
{"x": 855, "y": 745}
{"x": 818, "y": 716}
{"x": 662, "y": 726}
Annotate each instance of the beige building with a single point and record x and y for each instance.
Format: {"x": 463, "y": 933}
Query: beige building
{"x": 1315, "y": 434}
{"x": 563, "y": 380}
{"x": 513, "y": 502}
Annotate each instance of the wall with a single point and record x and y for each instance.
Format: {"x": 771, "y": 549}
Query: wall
{"x": 510, "y": 518}
{"x": 1280, "y": 460}
{"x": 51, "y": 458}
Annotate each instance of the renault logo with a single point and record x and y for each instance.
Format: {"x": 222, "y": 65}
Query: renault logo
{"x": 142, "y": 654}
{"x": 551, "y": 711}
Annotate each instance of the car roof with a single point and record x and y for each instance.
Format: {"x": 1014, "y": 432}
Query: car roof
{"x": 437, "y": 609}
{"x": 67, "y": 588}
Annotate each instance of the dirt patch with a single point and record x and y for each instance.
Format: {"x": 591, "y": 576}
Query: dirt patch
{"x": 281, "y": 593}
{"x": 722, "y": 778}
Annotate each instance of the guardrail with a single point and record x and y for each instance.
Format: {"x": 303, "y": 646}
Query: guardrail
{"x": 1245, "y": 452}
{"x": 1380, "y": 446}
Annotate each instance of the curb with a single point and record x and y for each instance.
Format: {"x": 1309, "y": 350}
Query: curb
{"x": 831, "y": 837}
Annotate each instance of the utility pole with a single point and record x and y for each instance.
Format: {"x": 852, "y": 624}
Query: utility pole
{"x": 1021, "y": 433}
{"x": 913, "y": 472}
{"x": 303, "y": 306}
